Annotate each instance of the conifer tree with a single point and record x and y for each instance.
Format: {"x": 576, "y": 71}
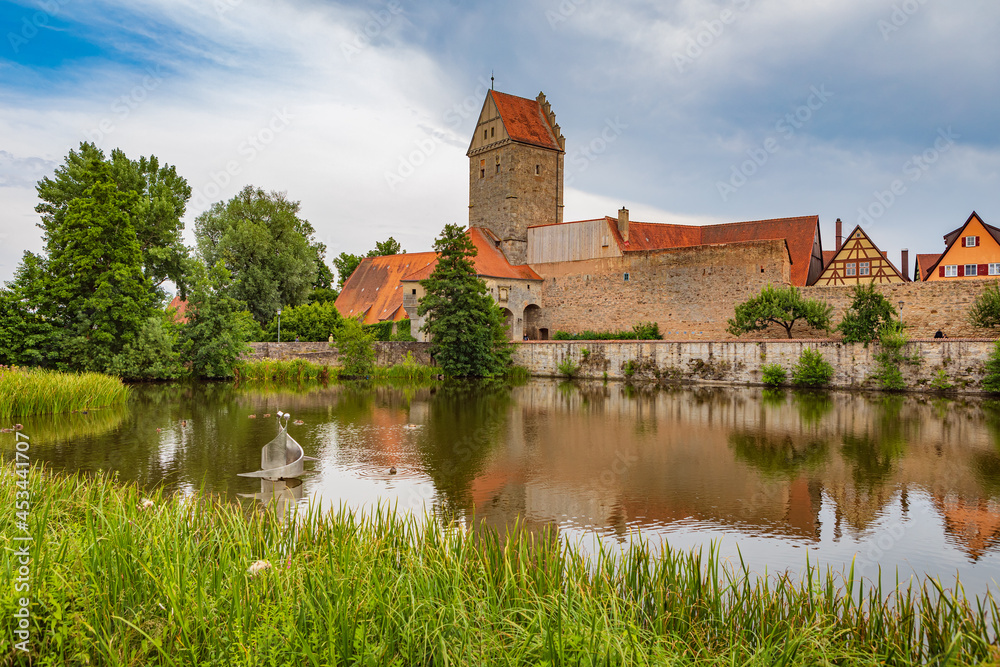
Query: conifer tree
{"x": 464, "y": 324}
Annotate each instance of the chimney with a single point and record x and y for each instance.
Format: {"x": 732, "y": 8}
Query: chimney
{"x": 840, "y": 234}
{"x": 906, "y": 265}
{"x": 623, "y": 222}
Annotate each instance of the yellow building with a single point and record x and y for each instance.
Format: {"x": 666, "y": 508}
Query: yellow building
{"x": 972, "y": 252}
{"x": 858, "y": 261}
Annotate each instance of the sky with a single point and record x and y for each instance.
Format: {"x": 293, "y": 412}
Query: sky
{"x": 880, "y": 112}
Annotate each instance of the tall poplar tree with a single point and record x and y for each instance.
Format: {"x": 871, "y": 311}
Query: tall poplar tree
{"x": 465, "y": 325}
{"x": 160, "y": 197}
{"x": 92, "y": 285}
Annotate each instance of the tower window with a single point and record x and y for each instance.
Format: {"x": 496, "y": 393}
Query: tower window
{"x": 484, "y": 133}
{"x": 538, "y": 169}
{"x": 493, "y": 131}
{"x": 482, "y": 169}
{"x": 626, "y": 277}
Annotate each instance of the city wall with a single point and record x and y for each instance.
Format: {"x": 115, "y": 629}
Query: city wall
{"x": 713, "y": 362}
{"x": 689, "y": 292}
{"x": 740, "y": 362}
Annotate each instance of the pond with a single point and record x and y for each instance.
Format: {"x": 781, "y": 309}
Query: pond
{"x": 908, "y": 483}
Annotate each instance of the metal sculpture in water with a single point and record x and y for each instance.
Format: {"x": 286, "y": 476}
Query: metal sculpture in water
{"x": 281, "y": 462}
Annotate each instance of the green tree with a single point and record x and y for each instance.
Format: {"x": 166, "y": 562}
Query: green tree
{"x": 779, "y": 305}
{"x": 27, "y": 338}
{"x": 355, "y": 348}
{"x": 92, "y": 283}
{"x": 464, "y": 323}
{"x": 310, "y": 322}
{"x": 155, "y": 354}
{"x": 160, "y": 198}
{"x": 217, "y": 328}
{"x": 346, "y": 263}
{"x": 985, "y": 311}
{"x": 267, "y": 248}
{"x": 869, "y": 313}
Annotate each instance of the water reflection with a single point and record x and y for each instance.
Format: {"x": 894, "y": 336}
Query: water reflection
{"x": 907, "y": 482}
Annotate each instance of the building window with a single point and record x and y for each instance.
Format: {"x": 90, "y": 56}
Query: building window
{"x": 851, "y": 270}
{"x": 482, "y": 169}
{"x": 414, "y": 291}
{"x": 626, "y": 277}
{"x": 970, "y": 241}
{"x": 995, "y": 269}
{"x": 538, "y": 169}
{"x": 484, "y": 133}
{"x": 493, "y": 131}
{"x": 498, "y": 165}
{"x": 970, "y": 269}
{"x": 863, "y": 269}
{"x": 951, "y": 271}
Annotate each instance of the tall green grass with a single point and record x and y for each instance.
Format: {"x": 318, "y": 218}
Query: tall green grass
{"x": 168, "y": 584}
{"x": 32, "y": 391}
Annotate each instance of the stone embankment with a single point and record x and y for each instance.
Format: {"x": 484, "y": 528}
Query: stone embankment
{"x": 386, "y": 353}
{"x": 724, "y": 362}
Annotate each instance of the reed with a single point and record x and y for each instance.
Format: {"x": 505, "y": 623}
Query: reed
{"x": 121, "y": 583}
{"x": 302, "y": 371}
{"x": 32, "y": 391}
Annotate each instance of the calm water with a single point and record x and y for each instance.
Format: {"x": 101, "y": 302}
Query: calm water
{"x": 909, "y": 483}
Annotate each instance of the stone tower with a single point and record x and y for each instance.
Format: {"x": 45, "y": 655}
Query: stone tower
{"x": 516, "y": 168}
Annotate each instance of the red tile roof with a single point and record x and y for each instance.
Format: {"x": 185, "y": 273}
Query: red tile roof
{"x": 180, "y": 316}
{"x": 490, "y": 262}
{"x": 524, "y": 121}
{"x": 374, "y": 289}
{"x": 925, "y": 263}
{"x": 828, "y": 256}
{"x": 798, "y": 233}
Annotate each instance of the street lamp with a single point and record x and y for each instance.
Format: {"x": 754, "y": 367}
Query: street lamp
{"x": 279, "y": 325}
{"x": 900, "y": 312}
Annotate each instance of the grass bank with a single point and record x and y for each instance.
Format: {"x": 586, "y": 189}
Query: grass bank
{"x": 125, "y": 579}
{"x": 300, "y": 370}
{"x": 32, "y": 391}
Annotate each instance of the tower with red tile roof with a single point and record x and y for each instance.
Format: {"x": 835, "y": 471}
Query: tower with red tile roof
{"x": 516, "y": 169}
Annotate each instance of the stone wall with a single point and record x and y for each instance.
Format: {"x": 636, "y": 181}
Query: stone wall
{"x": 387, "y": 353}
{"x": 740, "y": 362}
{"x": 689, "y": 292}
{"x": 927, "y": 306}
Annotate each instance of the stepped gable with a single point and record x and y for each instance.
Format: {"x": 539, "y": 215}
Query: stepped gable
{"x": 524, "y": 121}
{"x": 374, "y": 290}
{"x": 800, "y": 234}
{"x": 489, "y": 261}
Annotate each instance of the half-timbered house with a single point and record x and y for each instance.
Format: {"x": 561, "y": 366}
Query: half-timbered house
{"x": 859, "y": 261}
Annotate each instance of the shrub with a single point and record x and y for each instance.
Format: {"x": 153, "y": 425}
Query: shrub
{"x": 380, "y": 330}
{"x": 868, "y": 314}
{"x": 812, "y": 370}
{"x": 892, "y": 338}
{"x": 985, "y": 311}
{"x": 991, "y": 379}
{"x": 774, "y": 375}
{"x": 404, "y": 329}
{"x": 354, "y": 346}
{"x": 568, "y": 367}
{"x": 630, "y": 368}
{"x": 313, "y": 322}
{"x": 641, "y": 331}
{"x": 940, "y": 381}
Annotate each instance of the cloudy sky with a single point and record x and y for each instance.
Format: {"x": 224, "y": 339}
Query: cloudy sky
{"x": 683, "y": 111}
